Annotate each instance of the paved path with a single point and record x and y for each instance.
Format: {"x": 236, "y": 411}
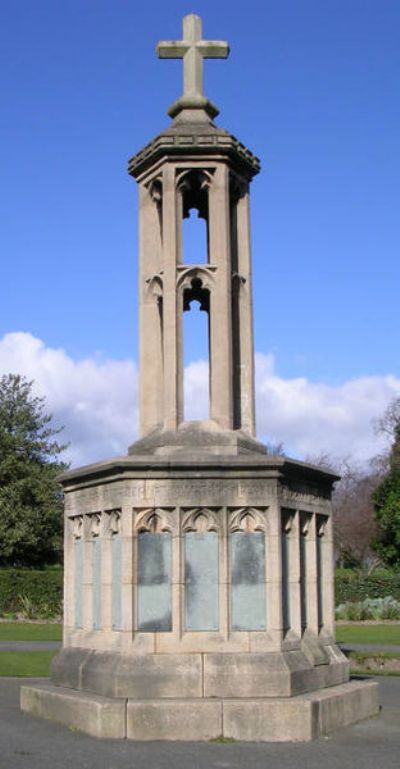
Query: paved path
{"x": 370, "y": 648}
{"x": 32, "y": 743}
{"x": 29, "y": 646}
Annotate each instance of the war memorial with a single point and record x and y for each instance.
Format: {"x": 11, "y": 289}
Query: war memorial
{"x": 199, "y": 596}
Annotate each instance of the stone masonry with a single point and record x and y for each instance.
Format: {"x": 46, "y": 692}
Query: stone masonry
{"x": 198, "y": 569}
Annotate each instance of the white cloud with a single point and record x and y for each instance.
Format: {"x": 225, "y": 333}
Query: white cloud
{"x": 96, "y": 400}
{"x": 312, "y": 417}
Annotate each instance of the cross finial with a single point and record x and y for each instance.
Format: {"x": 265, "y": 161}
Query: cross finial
{"x": 192, "y": 49}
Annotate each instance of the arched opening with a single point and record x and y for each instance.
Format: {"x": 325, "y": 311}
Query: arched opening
{"x": 196, "y": 356}
{"x": 194, "y": 231}
{"x": 193, "y": 187}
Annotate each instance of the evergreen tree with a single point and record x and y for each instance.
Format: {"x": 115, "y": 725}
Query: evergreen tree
{"x": 31, "y": 509}
{"x": 387, "y": 507}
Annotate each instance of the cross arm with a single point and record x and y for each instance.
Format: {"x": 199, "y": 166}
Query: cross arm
{"x": 213, "y": 49}
{"x": 171, "y": 49}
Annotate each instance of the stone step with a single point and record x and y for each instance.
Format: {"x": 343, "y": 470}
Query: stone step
{"x": 294, "y": 719}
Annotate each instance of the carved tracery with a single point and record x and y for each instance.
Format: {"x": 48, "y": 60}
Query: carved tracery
{"x": 200, "y": 519}
{"x": 77, "y": 526}
{"x": 247, "y": 519}
{"x": 94, "y": 524}
{"x": 155, "y": 520}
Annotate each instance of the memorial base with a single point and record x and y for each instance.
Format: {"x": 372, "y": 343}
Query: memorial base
{"x": 199, "y": 601}
{"x": 294, "y": 719}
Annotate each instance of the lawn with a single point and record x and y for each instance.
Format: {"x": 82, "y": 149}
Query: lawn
{"x": 26, "y": 664}
{"x": 368, "y": 634}
{"x": 19, "y": 631}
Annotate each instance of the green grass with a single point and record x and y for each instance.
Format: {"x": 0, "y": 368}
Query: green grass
{"x": 19, "y": 631}
{"x": 368, "y": 634}
{"x": 365, "y": 672}
{"x": 362, "y": 656}
{"x": 360, "y": 664}
{"x": 25, "y": 664}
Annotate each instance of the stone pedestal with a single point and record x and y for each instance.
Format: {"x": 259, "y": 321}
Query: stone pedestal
{"x": 199, "y": 602}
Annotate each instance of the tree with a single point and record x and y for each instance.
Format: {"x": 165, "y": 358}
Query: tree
{"x": 353, "y": 515}
{"x": 30, "y": 498}
{"x": 387, "y": 496}
{"x": 355, "y": 527}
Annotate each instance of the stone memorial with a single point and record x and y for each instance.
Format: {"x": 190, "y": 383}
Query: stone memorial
{"x": 198, "y": 569}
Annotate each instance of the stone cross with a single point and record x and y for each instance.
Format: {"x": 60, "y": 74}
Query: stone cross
{"x": 192, "y": 49}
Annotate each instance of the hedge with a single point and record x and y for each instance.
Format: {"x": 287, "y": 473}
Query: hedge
{"x": 33, "y": 592}
{"x": 40, "y": 593}
{"x": 356, "y": 586}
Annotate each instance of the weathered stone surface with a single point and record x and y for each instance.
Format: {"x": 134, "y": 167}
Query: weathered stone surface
{"x": 347, "y": 704}
{"x": 272, "y": 720}
{"x": 302, "y": 718}
{"x": 66, "y": 667}
{"x": 137, "y": 676}
{"x": 257, "y": 675}
{"x": 97, "y": 716}
{"x": 174, "y": 720}
{"x": 198, "y": 569}
{"x": 313, "y": 649}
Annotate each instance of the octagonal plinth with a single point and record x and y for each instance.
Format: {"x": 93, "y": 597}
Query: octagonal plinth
{"x": 204, "y": 584}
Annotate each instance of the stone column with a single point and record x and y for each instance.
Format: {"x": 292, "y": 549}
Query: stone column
{"x": 311, "y": 576}
{"x": 295, "y": 608}
{"x": 87, "y": 592}
{"x": 71, "y": 534}
{"x": 274, "y": 575}
{"x": 127, "y": 571}
{"x": 245, "y": 330}
{"x": 150, "y": 309}
{"x": 329, "y": 579}
{"x": 221, "y": 396}
{"x": 106, "y": 572}
{"x": 173, "y": 395}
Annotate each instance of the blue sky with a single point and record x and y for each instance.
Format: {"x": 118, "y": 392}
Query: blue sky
{"x": 311, "y": 87}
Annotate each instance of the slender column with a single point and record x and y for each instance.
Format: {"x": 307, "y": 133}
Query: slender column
{"x": 173, "y": 395}
{"x": 87, "y": 586}
{"x": 295, "y": 574}
{"x": 304, "y": 520}
{"x": 326, "y": 597}
{"x": 329, "y": 578}
{"x": 221, "y": 400}
{"x": 128, "y": 568}
{"x": 245, "y": 330}
{"x": 71, "y": 536}
{"x": 150, "y": 312}
{"x": 274, "y": 574}
{"x": 311, "y": 576}
{"x": 286, "y": 524}
{"x": 106, "y": 572}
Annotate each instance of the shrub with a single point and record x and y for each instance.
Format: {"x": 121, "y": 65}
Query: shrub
{"x": 32, "y": 593}
{"x": 356, "y": 586}
{"x": 370, "y": 608}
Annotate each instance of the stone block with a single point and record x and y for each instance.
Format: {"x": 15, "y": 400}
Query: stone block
{"x": 143, "y": 677}
{"x": 97, "y": 716}
{"x": 346, "y": 704}
{"x": 174, "y": 720}
{"x": 66, "y": 667}
{"x": 338, "y": 670}
{"x": 302, "y": 718}
{"x": 313, "y": 649}
{"x": 272, "y": 674}
{"x": 270, "y": 720}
